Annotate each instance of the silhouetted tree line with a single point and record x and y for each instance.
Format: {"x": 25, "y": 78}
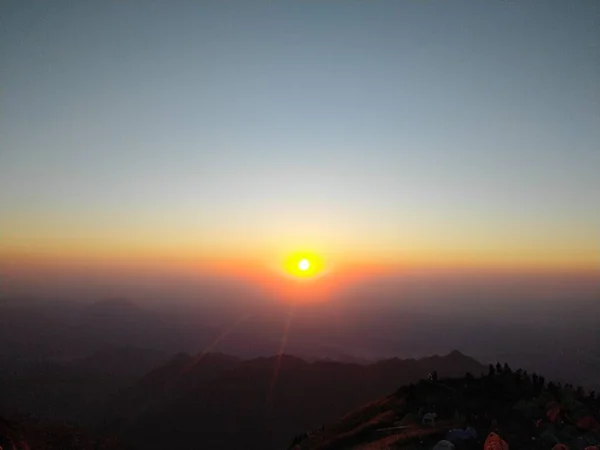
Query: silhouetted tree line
{"x": 502, "y": 387}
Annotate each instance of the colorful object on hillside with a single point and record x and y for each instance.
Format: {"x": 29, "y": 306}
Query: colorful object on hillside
{"x": 458, "y": 434}
{"x": 553, "y": 413}
{"x": 495, "y": 442}
{"x": 560, "y": 447}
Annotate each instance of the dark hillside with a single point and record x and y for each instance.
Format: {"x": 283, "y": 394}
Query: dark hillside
{"x": 525, "y": 410}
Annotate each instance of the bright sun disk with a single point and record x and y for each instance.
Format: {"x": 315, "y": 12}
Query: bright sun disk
{"x": 304, "y": 264}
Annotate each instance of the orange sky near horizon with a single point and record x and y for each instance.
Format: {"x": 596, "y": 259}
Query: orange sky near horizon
{"x": 233, "y": 247}
{"x": 272, "y": 260}
{"x": 32, "y": 266}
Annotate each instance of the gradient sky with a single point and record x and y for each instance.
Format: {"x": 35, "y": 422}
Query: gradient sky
{"x": 408, "y": 132}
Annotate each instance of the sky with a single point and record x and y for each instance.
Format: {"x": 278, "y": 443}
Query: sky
{"x": 387, "y": 133}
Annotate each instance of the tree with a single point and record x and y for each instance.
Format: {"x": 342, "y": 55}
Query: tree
{"x": 434, "y": 375}
{"x": 507, "y": 368}
{"x": 491, "y": 370}
{"x": 518, "y": 380}
{"x": 537, "y": 386}
{"x": 498, "y": 367}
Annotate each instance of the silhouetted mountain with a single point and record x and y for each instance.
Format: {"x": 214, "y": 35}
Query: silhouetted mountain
{"x": 179, "y": 376}
{"x": 225, "y": 403}
{"x": 73, "y": 390}
{"x": 342, "y": 358}
{"x": 62, "y": 331}
{"x": 123, "y": 362}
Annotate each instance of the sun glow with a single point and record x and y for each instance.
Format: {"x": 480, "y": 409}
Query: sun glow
{"x": 304, "y": 265}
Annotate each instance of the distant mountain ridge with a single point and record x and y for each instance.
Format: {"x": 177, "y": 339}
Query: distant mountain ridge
{"x": 58, "y": 330}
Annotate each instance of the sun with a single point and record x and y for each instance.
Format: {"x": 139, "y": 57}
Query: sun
{"x": 304, "y": 265}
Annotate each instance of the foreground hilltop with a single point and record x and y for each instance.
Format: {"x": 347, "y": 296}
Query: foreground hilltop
{"x": 523, "y": 409}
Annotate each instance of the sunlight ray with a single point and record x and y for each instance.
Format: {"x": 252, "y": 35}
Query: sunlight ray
{"x": 284, "y": 338}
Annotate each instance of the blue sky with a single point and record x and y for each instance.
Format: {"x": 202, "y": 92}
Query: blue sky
{"x": 385, "y": 127}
